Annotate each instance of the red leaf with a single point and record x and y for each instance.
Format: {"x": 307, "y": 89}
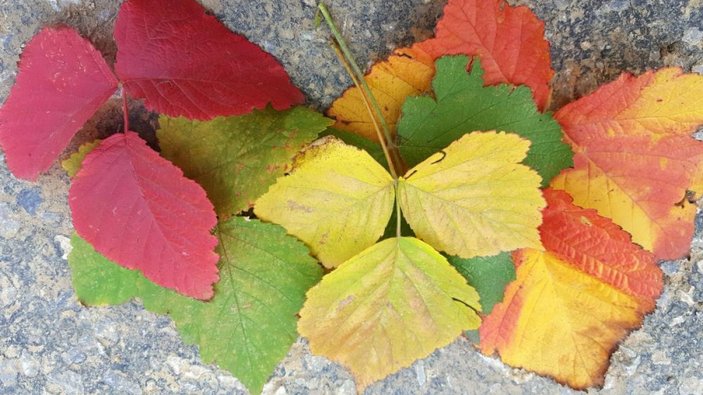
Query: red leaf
{"x": 509, "y": 41}
{"x": 138, "y": 210}
{"x": 184, "y": 62}
{"x": 62, "y": 82}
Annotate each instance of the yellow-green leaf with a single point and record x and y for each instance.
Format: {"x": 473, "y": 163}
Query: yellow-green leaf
{"x": 388, "y": 306}
{"x": 73, "y": 163}
{"x": 474, "y": 198}
{"x": 337, "y": 199}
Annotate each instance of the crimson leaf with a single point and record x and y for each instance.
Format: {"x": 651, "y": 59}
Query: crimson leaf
{"x": 184, "y": 62}
{"x": 138, "y": 210}
{"x": 62, "y": 82}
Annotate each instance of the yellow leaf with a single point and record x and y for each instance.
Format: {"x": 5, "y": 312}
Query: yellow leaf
{"x": 337, "y": 199}
{"x": 408, "y": 72}
{"x": 474, "y": 198}
{"x": 386, "y": 307}
{"x": 558, "y": 320}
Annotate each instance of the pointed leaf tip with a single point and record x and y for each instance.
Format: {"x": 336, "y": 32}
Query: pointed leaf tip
{"x": 138, "y": 210}
{"x": 184, "y": 62}
{"x": 62, "y": 81}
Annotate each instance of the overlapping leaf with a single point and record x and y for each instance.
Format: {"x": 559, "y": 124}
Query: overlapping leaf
{"x": 73, "y": 163}
{"x": 571, "y": 304}
{"x": 62, "y": 81}
{"x": 474, "y": 198}
{"x": 393, "y": 303}
{"x": 635, "y": 157}
{"x": 488, "y": 275}
{"x": 337, "y": 200}
{"x": 184, "y": 62}
{"x": 248, "y": 327}
{"x": 138, "y": 210}
{"x": 461, "y": 104}
{"x": 508, "y": 40}
{"x": 236, "y": 159}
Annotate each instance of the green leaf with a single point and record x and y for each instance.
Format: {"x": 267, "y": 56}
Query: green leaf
{"x": 489, "y": 275}
{"x": 73, "y": 163}
{"x": 250, "y": 324}
{"x": 393, "y": 303}
{"x": 237, "y": 158}
{"x": 337, "y": 200}
{"x": 461, "y": 105}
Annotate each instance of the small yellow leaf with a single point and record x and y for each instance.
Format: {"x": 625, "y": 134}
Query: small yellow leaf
{"x": 337, "y": 199}
{"x": 390, "y": 305}
{"x": 474, "y": 198}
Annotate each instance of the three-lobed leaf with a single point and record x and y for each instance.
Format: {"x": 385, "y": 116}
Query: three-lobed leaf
{"x": 391, "y": 304}
{"x": 474, "y": 198}
{"x": 184, "y": 62}
{"x": 62, "y": 81}
{"x": 571, "y": 304}
{"x": 138, "y": 210}
{"x": 461, "y": 104}
{"x": 337, "y": 200}
{"x": 237, "y": 158}
{"x": 635, "y": 156}
{"x": 250, "y": 323}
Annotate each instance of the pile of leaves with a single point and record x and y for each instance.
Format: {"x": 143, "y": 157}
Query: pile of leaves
{"x": 540, "y": 230}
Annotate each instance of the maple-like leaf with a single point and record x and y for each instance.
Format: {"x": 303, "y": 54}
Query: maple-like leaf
{"x": 571, "y": 304}
{"x": 184, "y": 62}
{"x": 461, "y": 104}
{"x": 337, "y": 200}
{"x": 474, "y": 198}
{"x": 635, "y": 157}
{"x": 488, "y": 275}
{"x": 236, "y": 159}
{"x": 62, "y": 81}
{"x": 509, "y": 41}
{"x": 393, "y": 303}
{"x": 138, "y": 210}
{"x": 250, "y": 323}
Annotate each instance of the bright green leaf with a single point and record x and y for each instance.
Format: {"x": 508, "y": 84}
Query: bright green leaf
{"x": 250, "y": 324}
{"x": 237, "y": 158}
{"x": 489, "y": 275}
{"x": 337, "y": 199}
{"x": 386, "y": 307}
{"x": 474, "y": 198}
{"x": 461, "y": 105}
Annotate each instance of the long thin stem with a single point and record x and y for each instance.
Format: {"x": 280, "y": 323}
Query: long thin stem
{"x": 387, "y": 142}
{"x": 125, "y": 111}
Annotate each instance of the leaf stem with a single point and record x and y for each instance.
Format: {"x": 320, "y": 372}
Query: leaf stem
{"x": 125, "y": 112}
{"x": 390, "y": 149}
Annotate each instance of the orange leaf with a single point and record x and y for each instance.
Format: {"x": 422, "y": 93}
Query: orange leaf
{"x": 571, "y": 304}
{"x": 634, "y": 156}
{"x": 509, "y": 41}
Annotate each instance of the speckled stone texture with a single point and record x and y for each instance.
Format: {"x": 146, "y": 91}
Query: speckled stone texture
{"x": 50, "y": 343}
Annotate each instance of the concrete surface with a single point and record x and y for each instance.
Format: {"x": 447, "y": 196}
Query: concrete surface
{"x": 49, "y": 343}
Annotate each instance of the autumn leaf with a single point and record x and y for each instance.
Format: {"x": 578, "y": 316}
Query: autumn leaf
{"x": 393, "y": 303}
{"x": 461, "y": 104}
{"x": 635, "y": 157}
{"x": 337, "y": 200}
{"x": 62, "y": 81}
{"x": 184, "y": 62}
{"x": 250, "y": 323}
{"x": 138, "y": 210}
{"x": 571, "y": 304}
{"x": 488, "y": 275}
{"x": 474, "y": 198}
{"x": 236, "y": 159}
{"x": 508, "y": 40}
{"x": 73, "y": 163}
